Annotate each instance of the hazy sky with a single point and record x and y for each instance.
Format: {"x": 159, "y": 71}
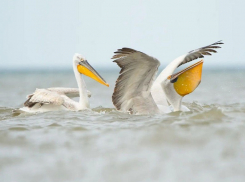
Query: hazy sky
{"x": 46, "y": 33}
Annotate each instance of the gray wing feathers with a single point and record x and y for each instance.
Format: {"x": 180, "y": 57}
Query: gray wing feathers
{"x": 201, "y": 52}
{"x": 44, "y": 96}
{"x": 55, "y": 96}
{"x": 132, "y": 90}
{"x": 69, "y": 92}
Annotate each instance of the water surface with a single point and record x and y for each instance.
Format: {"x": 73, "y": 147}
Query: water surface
{"x": 205, "y": 144}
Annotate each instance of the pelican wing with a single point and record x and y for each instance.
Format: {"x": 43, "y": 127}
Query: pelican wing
{"x": 201, "y": 52}
{"x": 132, "y": 90}
{"x": 69, "y": 92}
{"x": 44, "y": 96}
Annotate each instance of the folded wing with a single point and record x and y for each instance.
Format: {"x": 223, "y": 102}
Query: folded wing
{"x": 69, "y": 92}
{"x": 43, "y": 96}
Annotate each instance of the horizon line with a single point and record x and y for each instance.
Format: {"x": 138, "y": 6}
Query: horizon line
{"x": 29, "y": 70}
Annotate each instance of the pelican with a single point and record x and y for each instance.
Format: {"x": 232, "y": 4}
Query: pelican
{"x": 138, "y": 91}
{"x": 53, "y": 99}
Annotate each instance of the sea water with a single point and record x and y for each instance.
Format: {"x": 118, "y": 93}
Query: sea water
{"x": 205, "y": 144}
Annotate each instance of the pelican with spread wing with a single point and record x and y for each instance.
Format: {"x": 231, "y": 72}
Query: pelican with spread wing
{"x": 138, "y": 92}
{"x": 53, "y": 99}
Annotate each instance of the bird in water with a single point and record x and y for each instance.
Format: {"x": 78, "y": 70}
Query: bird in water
{"x": 54, "y": 99}
{"x": 137, "y": 89}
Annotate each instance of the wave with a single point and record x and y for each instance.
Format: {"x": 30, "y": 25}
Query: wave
{"x": 199, "y": 114}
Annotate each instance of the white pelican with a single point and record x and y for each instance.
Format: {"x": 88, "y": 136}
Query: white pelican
{"x": 136, "y": 91}
{"x": 53, "y": 99}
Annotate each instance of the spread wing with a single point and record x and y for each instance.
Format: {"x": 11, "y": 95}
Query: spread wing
{"x": 132, "y": 90}
{"x": 201, "y": 52}
{"x": 44, "y": 96}
{"x": 69, "y": 92}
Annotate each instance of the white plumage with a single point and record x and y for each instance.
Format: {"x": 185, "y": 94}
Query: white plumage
{"x": 53, "y": 99}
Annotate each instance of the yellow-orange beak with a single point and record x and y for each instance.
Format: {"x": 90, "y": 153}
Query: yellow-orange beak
{"x": 187, "y": 80}
{"x": 85, "y": 68}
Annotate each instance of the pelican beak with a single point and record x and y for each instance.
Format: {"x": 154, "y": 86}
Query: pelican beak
{"x": 187, "y": 80}
{"x": 85, "y": 68}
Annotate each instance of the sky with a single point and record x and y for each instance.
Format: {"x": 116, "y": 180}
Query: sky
{"x": 44, "y": 34}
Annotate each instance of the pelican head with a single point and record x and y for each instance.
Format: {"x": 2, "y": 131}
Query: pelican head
{"x": 85, "y": 68}
{"x": 77, "y": 58}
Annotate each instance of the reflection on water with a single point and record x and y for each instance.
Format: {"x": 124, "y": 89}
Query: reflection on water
{"x": 205, "y": 144}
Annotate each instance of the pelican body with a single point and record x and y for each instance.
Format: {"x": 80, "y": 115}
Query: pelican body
{"x": 54, "y": 99}
{"x": 138, "y": 91}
